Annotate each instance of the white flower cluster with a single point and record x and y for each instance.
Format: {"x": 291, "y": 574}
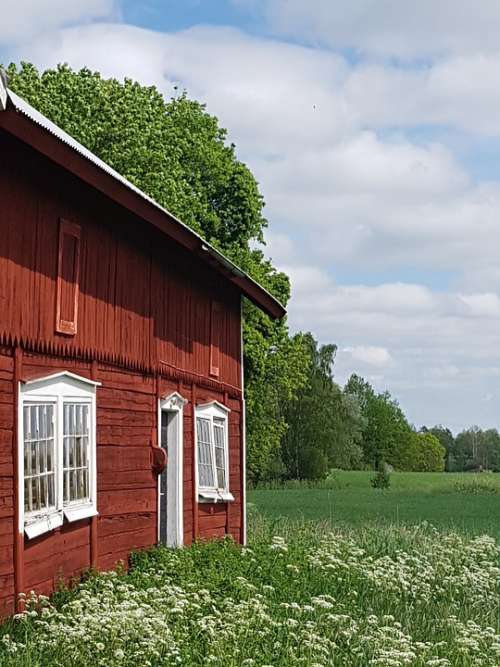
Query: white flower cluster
{"x": 386, "y": 599}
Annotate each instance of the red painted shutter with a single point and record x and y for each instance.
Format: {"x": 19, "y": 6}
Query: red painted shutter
{"x": 215, "y": 336}
{"x": 68, "y": 275}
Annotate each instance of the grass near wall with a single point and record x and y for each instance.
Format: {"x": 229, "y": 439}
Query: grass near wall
{"x": 313, "y": 593}
{"x": 457, "y": 501}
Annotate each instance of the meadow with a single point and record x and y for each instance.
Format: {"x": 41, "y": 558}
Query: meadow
{"x": 464, "y": 502}
{"x": 339, "y": 589}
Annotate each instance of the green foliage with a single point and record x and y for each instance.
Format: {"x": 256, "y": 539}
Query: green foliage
{"x": 382, "y": 480}
{"x": 431, "y": 453}
{"x": 386, "y": 431}
{"x": 324, "y": 425}
{"x": 475, "y": 449}
{"x": 445, "y": 437}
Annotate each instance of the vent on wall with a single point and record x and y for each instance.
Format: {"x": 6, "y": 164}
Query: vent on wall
{"x": 215, "y": 337}
{"x": 68, "y": 275}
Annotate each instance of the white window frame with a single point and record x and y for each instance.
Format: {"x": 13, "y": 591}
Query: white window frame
{"x": 211, "y": 494}
{"x": 173, "y": 404}
{"x": 57, "y": 389}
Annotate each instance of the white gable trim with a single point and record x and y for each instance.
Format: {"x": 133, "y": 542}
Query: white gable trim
{"x": 215, "y": 406}
{"x": 62, "y": 374}
{"x": 173, "y": 401}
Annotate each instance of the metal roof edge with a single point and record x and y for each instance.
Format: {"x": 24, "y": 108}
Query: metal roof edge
{"x": 250, "y": 287}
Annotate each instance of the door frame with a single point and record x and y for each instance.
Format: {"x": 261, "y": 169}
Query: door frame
{"x": 173, "y": 404}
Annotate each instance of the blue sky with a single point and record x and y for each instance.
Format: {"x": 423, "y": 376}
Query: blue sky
{"x": 178, "y": 15}
{"x": 374, "y": 133}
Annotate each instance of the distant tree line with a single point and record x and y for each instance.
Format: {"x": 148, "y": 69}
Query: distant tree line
{"x": 355, "y": 427}
{"x": 473, "y": 449}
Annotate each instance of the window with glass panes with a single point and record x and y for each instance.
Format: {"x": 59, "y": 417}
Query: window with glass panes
{"x": 76, "y": 452}
{"x": 58, "y": 455}
{"x": 211, "y": 436}
{"x": 39, "y": 457}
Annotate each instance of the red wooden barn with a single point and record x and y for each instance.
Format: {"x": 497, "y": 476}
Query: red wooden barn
{"x": 120, "y": 341}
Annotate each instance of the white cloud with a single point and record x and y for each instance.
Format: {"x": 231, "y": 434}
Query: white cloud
{"x": 482, "y": 305}
{"x": 24, "y": 18}
{"x": 459, "y": 91}
{"x": 388, "y": 27}
{"x": 271, "y": 95}
{"x": 369, "y": 354}
{"x": 444, "y": 354}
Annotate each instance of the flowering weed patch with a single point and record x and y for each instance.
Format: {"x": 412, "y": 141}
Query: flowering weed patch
{"x": 298, "y": 595}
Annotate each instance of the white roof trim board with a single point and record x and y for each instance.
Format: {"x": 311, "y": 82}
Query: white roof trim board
{"x": 23, "y": 107}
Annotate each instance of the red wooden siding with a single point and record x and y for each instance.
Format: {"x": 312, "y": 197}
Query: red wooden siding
{"x": 127, "y": 488}
{"x": 87, "y": 287}
{"x": 140, "y": 299}
{"x": 215, "y": 338}
{"x": 68, "y": 275}
{"x": 6, "y": 482}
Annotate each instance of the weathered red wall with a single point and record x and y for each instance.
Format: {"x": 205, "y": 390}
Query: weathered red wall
{"x": 143, "y": 300}
{"x": 143, "y": 332}
{"x": 6, "y": 482}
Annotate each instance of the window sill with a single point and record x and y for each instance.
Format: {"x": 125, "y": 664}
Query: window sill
{"x": 43, "y": 524}
{"x": 215, "y": 497}
{"x": 80, "y": 512}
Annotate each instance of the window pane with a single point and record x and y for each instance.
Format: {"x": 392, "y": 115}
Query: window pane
{"x": 205, "y": 466}
{"x": 220, "y": 452}
{"x": 51, "y": 481}
{"x": 27, "y": 497}
{"x": 75, "y": 452}
{"x": 38, "y": 457}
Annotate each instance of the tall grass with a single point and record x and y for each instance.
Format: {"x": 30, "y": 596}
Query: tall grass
{"x": 300, "y": 594}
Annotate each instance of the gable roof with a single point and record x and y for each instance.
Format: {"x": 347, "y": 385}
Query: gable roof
{"x": 26, "y": 123}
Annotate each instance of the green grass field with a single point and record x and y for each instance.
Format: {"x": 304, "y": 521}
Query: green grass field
{"x": 460, "y": 501}
{"x": 344, "y": 576}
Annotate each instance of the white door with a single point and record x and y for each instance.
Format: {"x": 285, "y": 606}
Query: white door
{"x": 170, "y": 482}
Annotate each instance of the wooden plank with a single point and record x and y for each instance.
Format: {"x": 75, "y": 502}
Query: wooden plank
{"x": 209, "y": 509}
{"x": 6, "y": 559}
{"x": 123, "y": 435}
{"x": 132, "y": 539}
{"x": 110, "y": 561}
{"x": 117, "y": 458}
{"x": 124, "y": 502}
{"x": 212, "y": 533}
{"x": 52, "y": 545}
{"x": 121, "y": 523}
{"x": 6, "y": 363}
{"x": 212, "y": 523}
{"x": 6, "y": 416}
{"x": 123, "y": 417}
{"x": 128, "y": 479}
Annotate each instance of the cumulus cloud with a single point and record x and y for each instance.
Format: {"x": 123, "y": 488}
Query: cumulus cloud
{"x": 436, "y": 351}
{"x": 24, "y": 18}
{"x": 408, "y": 30}
{"x": 458, "y": 91}
{"x": 369, "y": 354}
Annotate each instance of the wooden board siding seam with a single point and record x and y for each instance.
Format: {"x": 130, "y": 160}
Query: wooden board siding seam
{"x": 228, "y": 505}
{"x": 94, "y": 546}
{"x": 18, "y": 535}
{"x": 194, "y": 459}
